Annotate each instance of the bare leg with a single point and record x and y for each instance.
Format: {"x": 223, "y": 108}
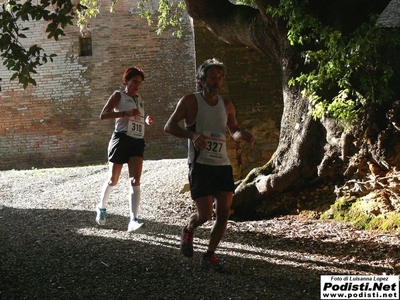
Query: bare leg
{"x": 223, "y": 202}
{"x": 204, "y": 213}
{"x": 223, "y": 205}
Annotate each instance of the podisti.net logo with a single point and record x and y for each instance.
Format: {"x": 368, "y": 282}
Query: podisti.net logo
{"x": 360, "y": 287}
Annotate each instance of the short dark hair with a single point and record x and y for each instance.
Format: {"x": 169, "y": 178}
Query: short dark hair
{"x": 132, "y": 72}
{"x": 202, "y": 70}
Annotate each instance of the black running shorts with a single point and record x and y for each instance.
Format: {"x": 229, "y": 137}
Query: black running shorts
{"x": 122, "y": 147}
{"x": 206, "y": 180}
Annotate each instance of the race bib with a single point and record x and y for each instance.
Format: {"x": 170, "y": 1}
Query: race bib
{"x": 135, "y": 127}
{"x": 216, "y": 146}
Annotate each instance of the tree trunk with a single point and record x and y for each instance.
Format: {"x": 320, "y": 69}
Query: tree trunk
{"x": 294, "y": 163}
{"x": 309, "y": 151}
{"x": 300, "y": 148}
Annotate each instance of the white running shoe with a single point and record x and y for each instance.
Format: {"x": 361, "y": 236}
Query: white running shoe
{"x": 134, "y": 225}
{"x": 101, "y": 216}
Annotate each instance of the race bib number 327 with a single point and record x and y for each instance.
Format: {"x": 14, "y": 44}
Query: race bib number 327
{"x": 215, "y": 146}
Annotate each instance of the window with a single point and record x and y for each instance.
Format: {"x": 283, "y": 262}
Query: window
{"x": 85, "y": 44}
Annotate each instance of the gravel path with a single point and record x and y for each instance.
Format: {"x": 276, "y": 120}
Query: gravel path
{"x": 51, "y": 248}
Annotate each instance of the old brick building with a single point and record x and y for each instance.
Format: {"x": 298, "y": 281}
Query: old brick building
{"x": 56, "y": 123}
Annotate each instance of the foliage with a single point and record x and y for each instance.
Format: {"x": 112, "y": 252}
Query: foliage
{"x": 391, "y": 222}
{"x": 354, "y": 211}
{"x": 89, "y": 9}
{"x": 245, "y": 2}
{"x": 14, "y": 15}
{"x": 170, "y": 15}
{"x": 24, "y": 60}
{"x": 341, "y": 73}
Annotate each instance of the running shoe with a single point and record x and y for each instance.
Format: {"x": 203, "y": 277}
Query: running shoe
{"x": 211, "y": 263}
{"x": 186, "y": 242}
{"x": 134, "y": 224}
{"x": 101, "y": 215}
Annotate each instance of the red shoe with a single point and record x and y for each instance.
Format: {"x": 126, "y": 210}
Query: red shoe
{"x": 211, "y": 263}
{"x": 186, "y": 242}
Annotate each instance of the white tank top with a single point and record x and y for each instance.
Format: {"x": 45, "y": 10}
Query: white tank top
{"x": 132, "y": 126}
{"x": 211, "y": 122}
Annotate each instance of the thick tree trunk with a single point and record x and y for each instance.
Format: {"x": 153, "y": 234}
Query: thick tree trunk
{"x": 308, "y": 150}
{"x": 302, "y": 139}
{"x": 240, "y": 25}
{"x": 294, "y": 163}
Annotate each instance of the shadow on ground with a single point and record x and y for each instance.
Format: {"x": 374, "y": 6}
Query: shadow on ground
{"x": 60, "y": 254}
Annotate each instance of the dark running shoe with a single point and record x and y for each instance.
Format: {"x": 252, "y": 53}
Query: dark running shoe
{"x": 186, "y": 243}
{"x": 211, "y": 263}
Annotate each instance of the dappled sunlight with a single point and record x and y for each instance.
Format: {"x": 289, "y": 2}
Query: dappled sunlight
{"x": 233, "y": 250}
{"x": 49, "y": 235}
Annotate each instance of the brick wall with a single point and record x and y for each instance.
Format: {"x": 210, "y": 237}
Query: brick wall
{"x": 57, "y": 122}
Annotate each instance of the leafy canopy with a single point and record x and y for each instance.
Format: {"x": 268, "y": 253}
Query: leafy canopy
{"x": 14, "y": 18}
{"x": 170, "y": 15}
{"x": 344, "y": 72}
{"x": 341, "y": 74}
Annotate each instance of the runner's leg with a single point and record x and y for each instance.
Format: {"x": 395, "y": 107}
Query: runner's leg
{"x": 223, "y": 203}
{"x": 112, "y": 180}
{"x": 135, "y": 165}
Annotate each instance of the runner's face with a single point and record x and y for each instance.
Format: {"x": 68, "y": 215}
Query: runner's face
{"x": 134, "y": 85}
{"x": 213, "y": 82}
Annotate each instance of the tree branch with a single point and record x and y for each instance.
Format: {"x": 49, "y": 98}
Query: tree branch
{"x": 237, "y": 24}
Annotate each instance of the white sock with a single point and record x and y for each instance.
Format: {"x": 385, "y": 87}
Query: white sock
{"x": 105, "y": 194}
{"x": 134, "y": 200}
